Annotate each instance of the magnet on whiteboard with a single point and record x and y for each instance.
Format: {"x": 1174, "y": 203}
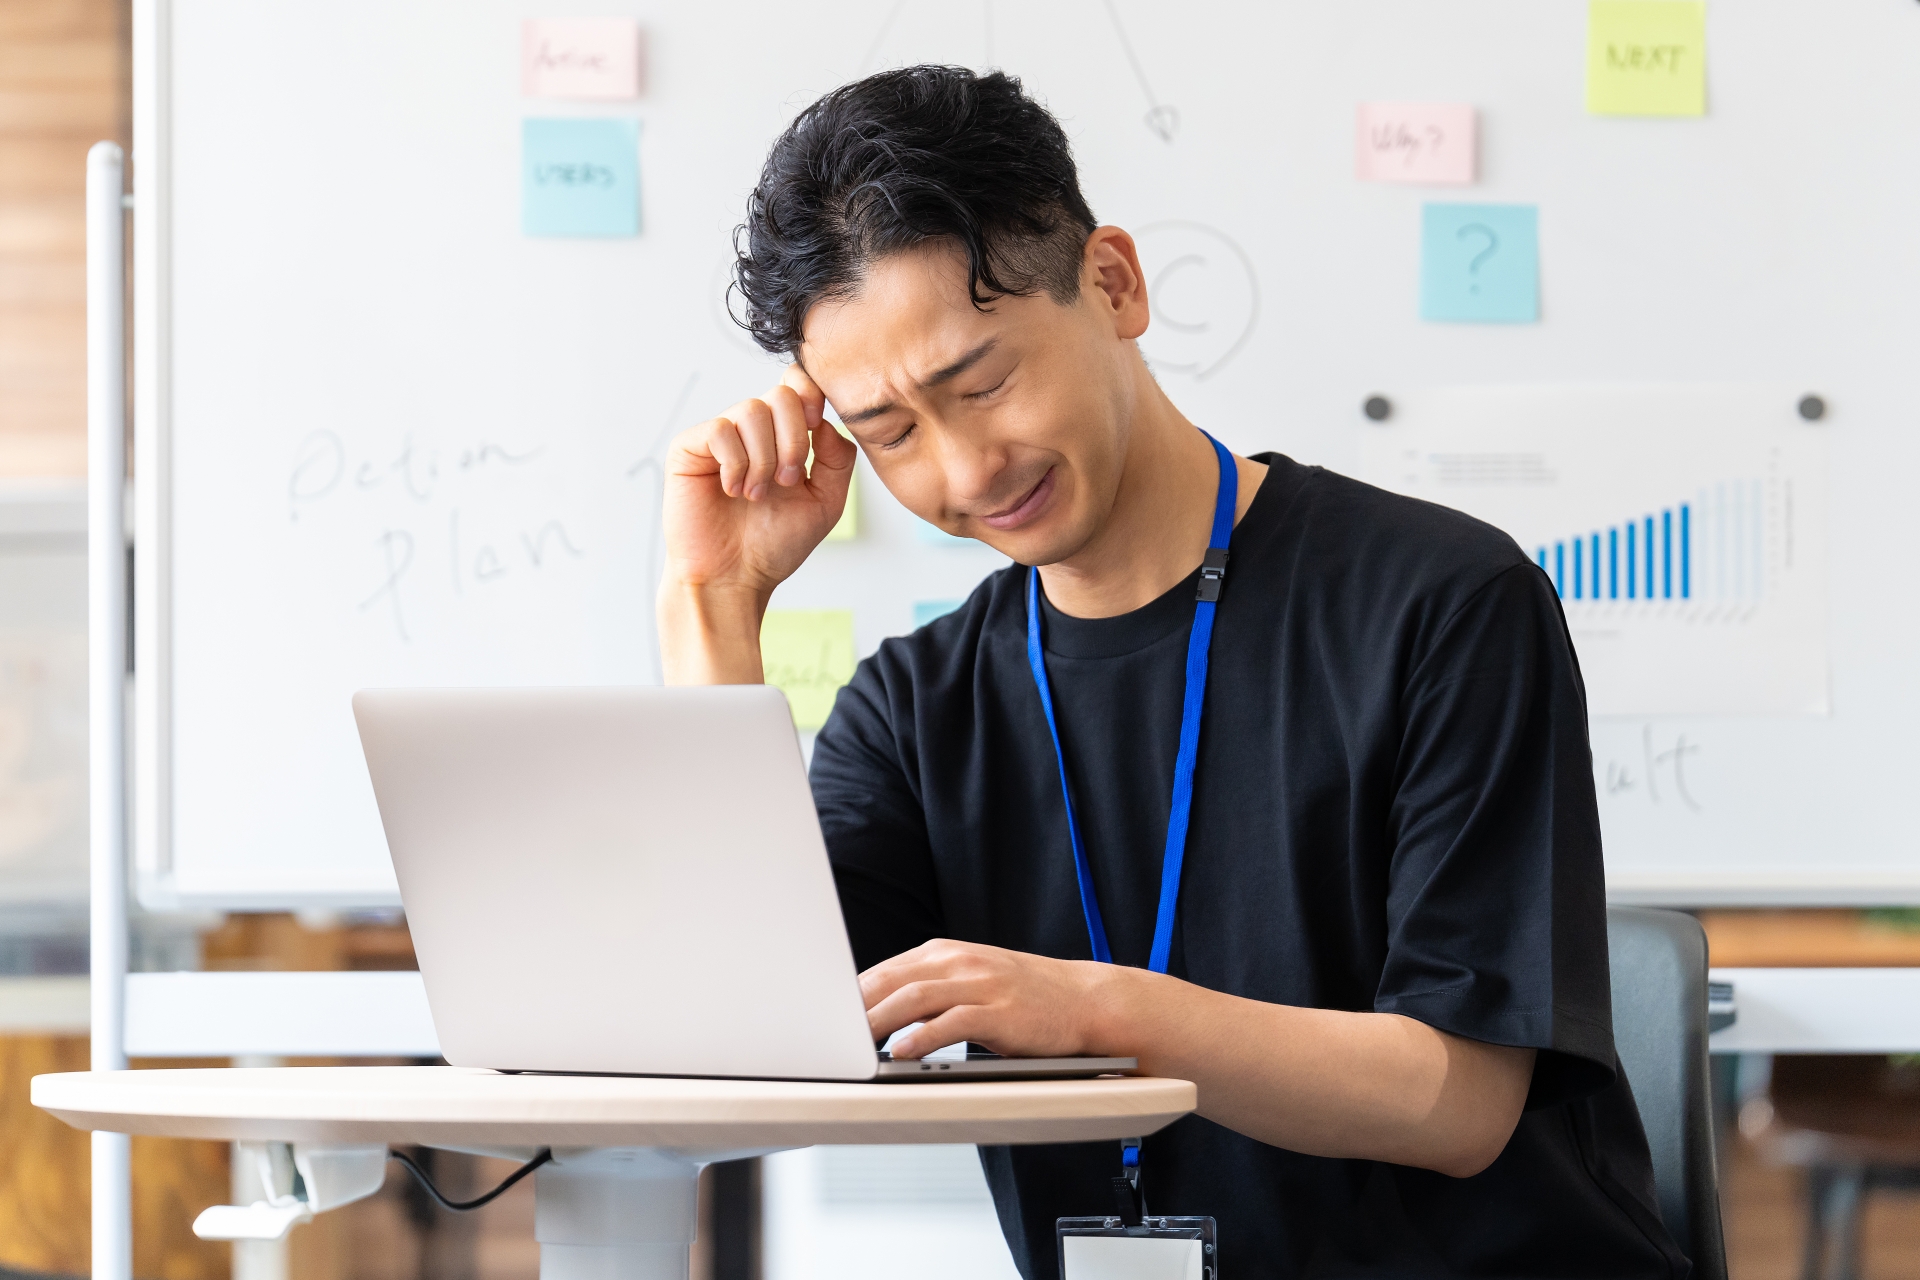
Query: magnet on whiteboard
{"x": 1378, "y": 408}
{"x": 1812, "y": 408}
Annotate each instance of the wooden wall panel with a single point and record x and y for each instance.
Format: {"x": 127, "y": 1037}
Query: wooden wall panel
{"x": 63, "y": 87}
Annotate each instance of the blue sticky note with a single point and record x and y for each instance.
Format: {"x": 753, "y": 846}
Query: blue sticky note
{"x": 925, "y": 611}
{"x": 580, "y": 177}
{"x": 1480, "y": 262}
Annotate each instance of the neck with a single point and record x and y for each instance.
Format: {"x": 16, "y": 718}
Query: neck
{"x": 1156, "y": 532}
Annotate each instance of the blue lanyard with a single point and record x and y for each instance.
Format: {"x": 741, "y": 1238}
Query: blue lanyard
{"x": 1213, "y": 572}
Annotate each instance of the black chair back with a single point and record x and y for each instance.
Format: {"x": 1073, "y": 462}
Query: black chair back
{"x": 1658, "y": 961}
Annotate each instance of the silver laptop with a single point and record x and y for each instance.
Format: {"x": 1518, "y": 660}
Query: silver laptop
{"x": 628, "y": 881}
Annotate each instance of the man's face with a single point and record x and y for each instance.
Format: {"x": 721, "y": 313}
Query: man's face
{"x": 1009, "y": 425}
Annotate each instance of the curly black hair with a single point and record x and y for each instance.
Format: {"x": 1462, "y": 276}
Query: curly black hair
{"x": 895, "y": 161}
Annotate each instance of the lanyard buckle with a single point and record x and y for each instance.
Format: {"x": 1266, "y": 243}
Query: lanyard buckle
{"x": 1213, "y": 574}
{"x": 1126, "y": 1184}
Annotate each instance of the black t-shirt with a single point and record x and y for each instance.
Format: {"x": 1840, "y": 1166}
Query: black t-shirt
{"x": 1393, "y": 811}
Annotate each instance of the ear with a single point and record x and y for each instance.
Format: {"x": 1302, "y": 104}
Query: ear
{"x": 1110, "y": 274}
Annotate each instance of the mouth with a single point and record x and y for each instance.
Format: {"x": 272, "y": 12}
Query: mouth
{"x": 1025, "y": 509}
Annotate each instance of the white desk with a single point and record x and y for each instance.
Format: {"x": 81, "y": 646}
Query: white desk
{"x": 618, "y": 1200}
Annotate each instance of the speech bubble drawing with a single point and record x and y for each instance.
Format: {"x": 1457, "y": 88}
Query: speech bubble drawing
{"x": 1203, "y": 294}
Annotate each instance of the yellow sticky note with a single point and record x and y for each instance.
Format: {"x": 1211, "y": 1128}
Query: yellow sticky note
{"x": 848, "y": 526}
{"x": 1646, "y": 57}
{"x": 808, "y": 654}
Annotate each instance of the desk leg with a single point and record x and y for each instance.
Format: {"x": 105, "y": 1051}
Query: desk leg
{"x": 617, "y": 1213}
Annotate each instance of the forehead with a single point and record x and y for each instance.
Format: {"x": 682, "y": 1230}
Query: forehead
{"x": 909, "y": 316}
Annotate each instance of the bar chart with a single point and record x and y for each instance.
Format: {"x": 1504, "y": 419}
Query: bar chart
{"x": 1683, "y": 530}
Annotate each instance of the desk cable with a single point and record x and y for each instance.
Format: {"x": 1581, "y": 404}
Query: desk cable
{"x": 463, "y": 1206}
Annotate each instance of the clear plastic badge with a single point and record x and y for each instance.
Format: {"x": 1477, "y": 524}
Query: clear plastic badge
{"x": 1157, "y": 1249}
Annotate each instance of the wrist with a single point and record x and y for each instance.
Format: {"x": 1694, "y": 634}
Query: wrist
{"x": 709, "y": 632}
{"x": 1113, "y": 1013}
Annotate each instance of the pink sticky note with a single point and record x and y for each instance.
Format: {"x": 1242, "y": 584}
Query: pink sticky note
{"x": 580, "y": 58}
{"x": 1414, "y": 142}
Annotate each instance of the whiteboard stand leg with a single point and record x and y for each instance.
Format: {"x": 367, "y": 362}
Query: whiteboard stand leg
{"x": 107, "y": 687}
{"x": 255, "y": 1259}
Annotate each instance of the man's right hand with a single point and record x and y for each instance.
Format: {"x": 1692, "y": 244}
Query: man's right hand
{"x": 741, "y": 512}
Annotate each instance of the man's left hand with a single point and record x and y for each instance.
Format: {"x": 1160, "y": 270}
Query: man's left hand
{"x": 1013, "y": 1003}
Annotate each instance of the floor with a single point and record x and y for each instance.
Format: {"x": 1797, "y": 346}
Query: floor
{"x": 1765, "y": 1218}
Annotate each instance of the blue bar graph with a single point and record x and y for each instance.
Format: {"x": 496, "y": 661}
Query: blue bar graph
{"x": 1650, "y": 573}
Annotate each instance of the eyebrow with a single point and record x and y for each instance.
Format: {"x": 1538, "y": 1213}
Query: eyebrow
{"x": 934, "y": 379}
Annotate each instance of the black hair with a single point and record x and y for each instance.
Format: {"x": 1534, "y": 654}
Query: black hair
{"x": 898, "y": 160}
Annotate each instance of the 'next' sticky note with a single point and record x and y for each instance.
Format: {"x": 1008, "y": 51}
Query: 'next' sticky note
{"x": 595, "y": 58}
{"x": 1646, "y": 57}
{"x": 580, "y": 177}
{"x": 1480, "y": 262}
{"x": 1414, "y": 142}
{"x": 808, "y": 654}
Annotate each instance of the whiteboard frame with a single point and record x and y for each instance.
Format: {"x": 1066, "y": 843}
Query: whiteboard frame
{"x": 154, "y": 856}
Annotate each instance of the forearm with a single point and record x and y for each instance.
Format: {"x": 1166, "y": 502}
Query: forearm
{"x": 1323, "y": 1082}
{"x": 709, "y": 635}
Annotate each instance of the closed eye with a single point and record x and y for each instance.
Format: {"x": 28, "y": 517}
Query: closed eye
{"x": 899, "y": 439}
{"x": 982, "y": 395}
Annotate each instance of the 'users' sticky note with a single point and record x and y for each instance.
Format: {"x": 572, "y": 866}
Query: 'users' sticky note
{"x": 580, "y": 177}
{"x": 1646, "y": 57}
{"x": 1414, "y": 142}
{"x": 1480, "y": 262}
{"x": 593, "y": 58}
{"x": 808, "y": 654}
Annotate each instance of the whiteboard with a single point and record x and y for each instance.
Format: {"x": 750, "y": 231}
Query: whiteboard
{"x": 353, "y": 371}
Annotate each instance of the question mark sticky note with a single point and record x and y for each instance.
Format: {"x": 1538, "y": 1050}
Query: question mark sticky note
{"x": 1414, "y": 142}
{"x": 808, "y": 654}
{"x": 1480, "y": 262}
{"x": 1646, "y": 57}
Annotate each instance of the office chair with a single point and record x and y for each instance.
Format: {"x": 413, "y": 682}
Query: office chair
{"x": 1658, "y": 961}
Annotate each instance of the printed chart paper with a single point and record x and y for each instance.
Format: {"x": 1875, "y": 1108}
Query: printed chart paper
{"x": 808, "y": 654}
{"x": 1431, "y": 142}
{"x": 596, "y": 59}
{"x": 1683, "y": 528}
{"x": 580, "y": 177}
{"x": 1480, "y": 263}
{"x": 1646, "y": 57}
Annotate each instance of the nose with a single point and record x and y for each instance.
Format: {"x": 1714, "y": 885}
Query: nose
{"x": 972, "y": 468}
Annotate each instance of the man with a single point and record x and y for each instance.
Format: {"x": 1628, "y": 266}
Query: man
{"x": 1377, "y": 944}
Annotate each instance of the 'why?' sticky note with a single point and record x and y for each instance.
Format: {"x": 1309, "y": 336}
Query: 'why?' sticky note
{"x": 593, "y": 58}
{"x": 1646, "y": 57}
{"x": 580, "y": 177}
{"x": 1480, "y": 262}
{"x": 1414, "y": 142}
{"x": 808, "y": 654}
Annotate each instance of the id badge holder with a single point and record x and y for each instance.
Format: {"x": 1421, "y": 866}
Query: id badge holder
{"x": 1132, "y": 1244}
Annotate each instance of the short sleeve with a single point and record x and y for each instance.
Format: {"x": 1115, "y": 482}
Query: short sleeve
{"x": 874, "y": 824}
{"x": 1496, "y": 905}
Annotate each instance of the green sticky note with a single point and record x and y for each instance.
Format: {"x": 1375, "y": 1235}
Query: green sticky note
{"x": 808, "y": 654}
{"x": 1647, "y": 57}
{"x": 848, "y": 526}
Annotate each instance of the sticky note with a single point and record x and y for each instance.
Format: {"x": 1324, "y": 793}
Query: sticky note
{"x": 925, "y": 611}
{"x": 808, "y": 654}
{"x": 1415, "y": 142}
{"x": 593, "y": 58}
{"x": 1646, "y": 57}
{"x": 1480, "y": 262}
{"x": 934, "y": 536}
{"x": 580, "y": 177}
{"x": 847, "y": 527}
